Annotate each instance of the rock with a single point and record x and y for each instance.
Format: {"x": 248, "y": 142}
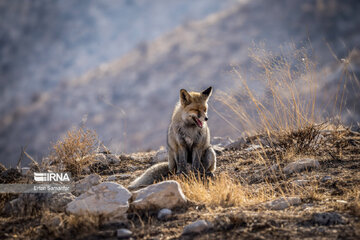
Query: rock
{"x": 132, "y": 168}
{"x": 328, "y": 218}
{"x": 282, "y": 203}
{"x": 326, "y": 178}
{"x": 111, "y": 178}
{"x": 53, "y": 222}
{"x": 86, "y": 170}
{"x": 253, "y": 147}
{"x": 300, "y": 182}
{"x": 221, "y": 141}
{"x": 196, "y": 227}
{"x": 167, "y": 194}
{"x": 123, "y": 233}
{"x": 99, "y": 157}
{"x": 160, "y": 156}
{"x": 58, "y": 201}
{"x": 124, "y": 176}
{"x": 112, "y": 159}
{"x": 164, "y": 214}
{"x": 85, "y": 184}
{"x": 301, "y": 165}
{"x": 29, "y": 203}
{"x": 107, "y": 199}
{"x": 237, "y": 145}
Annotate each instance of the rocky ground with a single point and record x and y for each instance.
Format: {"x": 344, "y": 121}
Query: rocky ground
{"x": 301, "y": 184}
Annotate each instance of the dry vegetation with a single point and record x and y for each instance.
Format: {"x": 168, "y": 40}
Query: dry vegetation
{"x": 76, "y": 151}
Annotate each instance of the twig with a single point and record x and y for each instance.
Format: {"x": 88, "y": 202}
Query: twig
{"x": 18, "y": 165}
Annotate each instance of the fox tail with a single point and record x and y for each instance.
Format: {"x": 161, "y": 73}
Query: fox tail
{"x": 154, "y": 173}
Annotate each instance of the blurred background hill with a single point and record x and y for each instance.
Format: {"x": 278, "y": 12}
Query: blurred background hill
{"x": 117, "y": 66}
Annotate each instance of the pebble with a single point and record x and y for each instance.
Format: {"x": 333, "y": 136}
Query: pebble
{"x": 196, "y": 227}
{"x": 164, "y": 214}
{"x": 123, "y": 233}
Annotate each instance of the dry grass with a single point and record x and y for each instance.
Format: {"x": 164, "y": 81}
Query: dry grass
{"x": 223, "y": 191}
{"x": 67, "y": 226}
{"x": 75, "y": 151}
{"x": 283, "y": 106}
{"x": 280, "y": 94}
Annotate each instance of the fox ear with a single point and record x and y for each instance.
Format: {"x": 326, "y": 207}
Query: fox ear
{"x": 185, "y": 97}
{"x": 207, "y": 92}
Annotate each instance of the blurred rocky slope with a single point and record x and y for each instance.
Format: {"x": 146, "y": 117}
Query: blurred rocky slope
{"x": 129, "y": 101}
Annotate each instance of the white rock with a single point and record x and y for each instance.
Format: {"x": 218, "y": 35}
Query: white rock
{"x": 164, "y": 214}
{"x": 167, "y": 194}
{"x": 107, "y": 199}
{"x": 282, "y": 203}
{"x": 160, "y": 156}
{"x": 301, "y": 165}
{"x": 196, "y": 227}
{"x": 123, "y": 233}
{"x": 85, "y": 184}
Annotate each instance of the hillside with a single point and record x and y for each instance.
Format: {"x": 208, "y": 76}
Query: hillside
{"x": 129, "y": 101}
{"x": 303, "y": 184}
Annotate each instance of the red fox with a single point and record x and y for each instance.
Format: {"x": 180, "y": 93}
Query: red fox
{"x": 188, "y": 140}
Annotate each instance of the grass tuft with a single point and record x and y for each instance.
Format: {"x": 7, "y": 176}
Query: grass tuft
{"x": 222, "y": 191}
{"x": 75, "y": 151}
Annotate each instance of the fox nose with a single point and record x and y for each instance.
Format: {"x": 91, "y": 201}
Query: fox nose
{"x": 206, "y": 118}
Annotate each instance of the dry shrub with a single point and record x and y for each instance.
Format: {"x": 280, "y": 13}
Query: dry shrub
{"x": 75, "y": 151}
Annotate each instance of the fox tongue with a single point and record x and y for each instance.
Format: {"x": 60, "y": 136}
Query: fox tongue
{"x": 198, "y": 122}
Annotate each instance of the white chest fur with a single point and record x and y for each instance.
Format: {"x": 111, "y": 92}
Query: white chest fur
{"x": 189, "y": 141}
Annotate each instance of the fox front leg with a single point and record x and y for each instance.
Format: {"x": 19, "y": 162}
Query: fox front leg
{"x": 172, "y": 160}
{"x": 181, "y": 160}
{"x": 196, "y": 160}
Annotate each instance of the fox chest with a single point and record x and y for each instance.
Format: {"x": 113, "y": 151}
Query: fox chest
{"x": 191, "y": 138}
{"x": 189, "y": 141}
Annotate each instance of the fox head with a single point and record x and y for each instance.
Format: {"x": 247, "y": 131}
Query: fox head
{"x": 194, "y": 106}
